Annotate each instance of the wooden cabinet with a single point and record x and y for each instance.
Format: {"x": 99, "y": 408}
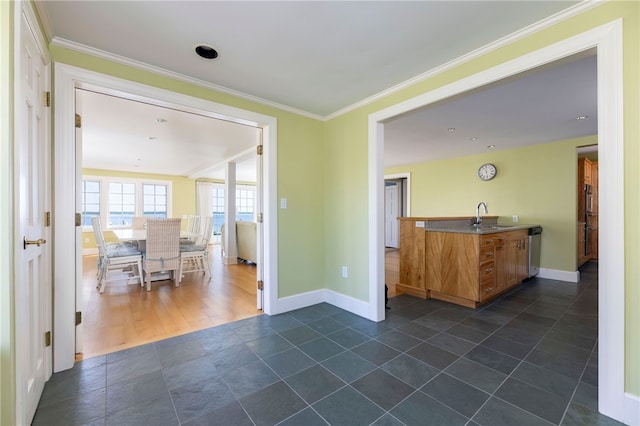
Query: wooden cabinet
{"x": 470, "y": 269}
{"x": 584, "y": 167}
{"x": 587, "y": 230}
{"x": 412, "y": 274}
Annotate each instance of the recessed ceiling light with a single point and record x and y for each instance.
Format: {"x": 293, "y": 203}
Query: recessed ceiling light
{"x": 582, "y": 117}
{"x": 491, "y": 146}
{"x": 473, "y": 139}
{"x": 152, "y": 138}
{"x": 206, "y": 52}
{"x": 161, "y": 120}
{"x": 451, "y": 129}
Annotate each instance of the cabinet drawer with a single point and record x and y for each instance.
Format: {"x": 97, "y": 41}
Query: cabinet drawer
{"x": 487, "y": 254}
{"x": 487, "y": 290}
{"x": 487, "y": 242}
{"x": 487, "y": 269}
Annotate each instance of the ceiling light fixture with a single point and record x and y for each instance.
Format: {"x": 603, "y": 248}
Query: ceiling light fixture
{"x": 582, "y": 117}
{"x": 161, "y": 120}
{"x": 152, "y": 138}
{"x": 473, "y": 138}
{"x": 206, "y": 52}
{"x": 491, "y": 146}
{"x": 451, "y": 129}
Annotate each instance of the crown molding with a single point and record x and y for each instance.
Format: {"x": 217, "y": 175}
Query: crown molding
{"x": 504, "y": 41}
{"x": 82, "y": 48}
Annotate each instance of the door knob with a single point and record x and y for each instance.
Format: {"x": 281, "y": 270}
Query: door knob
{"x": 37, "y": 242}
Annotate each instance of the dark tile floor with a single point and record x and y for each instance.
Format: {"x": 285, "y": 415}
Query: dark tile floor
{"x": 528, "y": 358}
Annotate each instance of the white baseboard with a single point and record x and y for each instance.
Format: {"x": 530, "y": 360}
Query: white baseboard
{"x": 556, "y": 274}
{"x": 90, "y": 251}
{"x": 631, "y": 409}
{"x": 298, "y": 301}
{"x": 348, "y": 303}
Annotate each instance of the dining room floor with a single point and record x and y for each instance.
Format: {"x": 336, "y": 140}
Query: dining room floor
{"x": 528, "y": 358}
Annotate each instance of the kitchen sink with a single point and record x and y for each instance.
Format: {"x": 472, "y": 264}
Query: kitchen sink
{"x": 495, "y": 226}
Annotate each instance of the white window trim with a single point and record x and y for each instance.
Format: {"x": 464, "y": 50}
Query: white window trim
{"x": 104, "y": 195}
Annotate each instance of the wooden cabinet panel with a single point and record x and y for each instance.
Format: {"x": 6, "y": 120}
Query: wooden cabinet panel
{"x": 412, "y": 257}
{"x": 452, "y": 264}
{"x": 470, "y": 269}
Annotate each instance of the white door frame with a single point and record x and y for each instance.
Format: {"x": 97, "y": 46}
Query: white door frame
{"x": 608, "y": 41}
{"x": 67, "y": 79}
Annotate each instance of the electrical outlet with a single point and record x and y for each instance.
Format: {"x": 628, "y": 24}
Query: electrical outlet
{"x": 515, "y": 218}
{"x": 345, "y": 272}
{"x": 86, "y": 240}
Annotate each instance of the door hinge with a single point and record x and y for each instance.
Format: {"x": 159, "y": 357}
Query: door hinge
{"x": 259, "y": 218}
{"x": 78, "y": 219}
{"x": 47, "y": 219}
{"x": 78, "y": 121}
{"x": 78, "y": 317}
{"x": 259, "y": 149}
{"x": 260, "y": 285}
{"x": 47, "y": 338}
{"x": 47, "y": 99}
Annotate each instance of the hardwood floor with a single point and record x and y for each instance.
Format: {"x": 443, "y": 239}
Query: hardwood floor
{"x": 125, "y": 316}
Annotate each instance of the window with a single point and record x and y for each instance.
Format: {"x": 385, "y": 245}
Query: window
{"x": 245, "y": 205}
{"x": 90, "y": 201}
{"x": 155, "y": 200}
{"x": 123, "y": 199}
{"x": 122, "y": 203}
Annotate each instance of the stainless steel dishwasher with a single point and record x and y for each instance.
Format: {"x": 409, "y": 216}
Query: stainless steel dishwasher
{"x": 534, "y": 250}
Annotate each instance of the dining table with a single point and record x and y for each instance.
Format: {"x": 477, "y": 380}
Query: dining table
{"x": 128, "y": 234}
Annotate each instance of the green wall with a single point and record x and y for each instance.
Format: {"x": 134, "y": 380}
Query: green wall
{"x": 346, "y": 207}
{"x": 537, "y": 183}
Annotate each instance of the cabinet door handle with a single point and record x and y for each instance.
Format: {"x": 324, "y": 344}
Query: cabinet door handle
{"x": 488, "y": 289}
{"x": 489, "y": 254}
{"x": 488, "y": 270}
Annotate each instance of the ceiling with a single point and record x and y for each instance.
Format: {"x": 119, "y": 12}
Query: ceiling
{"x": 317, "y": 58}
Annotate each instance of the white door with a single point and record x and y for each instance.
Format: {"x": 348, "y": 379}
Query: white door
{"x": 391, "y": 213}
{"x": 33, "y": 245}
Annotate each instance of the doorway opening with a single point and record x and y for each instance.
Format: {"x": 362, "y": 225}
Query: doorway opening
{"x": 68, "y": 79}
{"x": 121, "y": 165}
{"x": 607, "y": 40}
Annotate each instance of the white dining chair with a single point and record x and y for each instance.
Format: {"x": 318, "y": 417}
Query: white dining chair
{"x": 138, "y": 222}
{"x": 162, "y": 253}
{"x": 195, "y": 257}
{"x": 116, "y": 261}
{"x": 193, "y": 228}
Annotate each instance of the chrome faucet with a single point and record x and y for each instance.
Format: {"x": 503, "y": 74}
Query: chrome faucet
{"x": 478, "y": 217}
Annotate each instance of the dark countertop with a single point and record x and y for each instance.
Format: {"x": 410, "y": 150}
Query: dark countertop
{"x": 488, "y": 228}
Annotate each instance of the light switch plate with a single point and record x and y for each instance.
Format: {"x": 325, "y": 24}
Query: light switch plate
{"x": 283, "y": 203}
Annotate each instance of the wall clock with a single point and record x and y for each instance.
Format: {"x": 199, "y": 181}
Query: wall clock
{"x": 487, "y": 171}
